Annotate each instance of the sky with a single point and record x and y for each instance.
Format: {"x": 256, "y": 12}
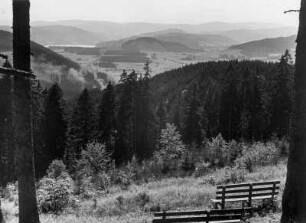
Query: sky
{"x": 160, "y": 11}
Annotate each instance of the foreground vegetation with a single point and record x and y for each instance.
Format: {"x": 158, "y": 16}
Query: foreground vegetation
{"x": 132, "y": 193}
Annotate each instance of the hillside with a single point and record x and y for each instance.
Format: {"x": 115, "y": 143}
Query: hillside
{"x": 262, "y": 48}
{"x": 189, "y": 40}
{"x": 196, "y": 41}
{"x": 155, "y": 45}
{"x": 248, "y": 35}
{"x": 40, "y": 53}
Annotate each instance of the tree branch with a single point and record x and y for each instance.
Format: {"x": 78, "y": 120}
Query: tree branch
{"x": 288, "y": 11}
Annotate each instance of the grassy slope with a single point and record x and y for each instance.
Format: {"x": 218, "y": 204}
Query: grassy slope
{"x": 169, "y": 194}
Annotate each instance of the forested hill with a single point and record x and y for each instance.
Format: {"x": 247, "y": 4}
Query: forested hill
{"x": 40, "y": 52}
{"x": 246, "y": 99}
{"x": 264, "y": 47}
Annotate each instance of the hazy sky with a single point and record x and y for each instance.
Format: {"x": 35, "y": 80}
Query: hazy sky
{"x": 161, "y": 11}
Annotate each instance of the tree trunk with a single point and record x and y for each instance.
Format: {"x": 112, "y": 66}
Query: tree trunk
{"x": 28, "y": 212}
{"x": 294, "y": 197}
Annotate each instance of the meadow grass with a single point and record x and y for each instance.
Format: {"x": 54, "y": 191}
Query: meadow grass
{"x": 138, "y": 202}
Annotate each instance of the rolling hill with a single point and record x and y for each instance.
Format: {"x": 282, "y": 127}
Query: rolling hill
{"x": 155, "y": 45}
{"x": 40, "y": 52}
{"x": 247, "y": 35}
{"x": 262, "y": 48}
{"x": 195, "y": 42}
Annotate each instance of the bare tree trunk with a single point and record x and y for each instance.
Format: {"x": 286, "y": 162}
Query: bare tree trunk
{"x": 294, "y": 197}
{"x": 1, "y": 215}
{"x": 28, "y": 212}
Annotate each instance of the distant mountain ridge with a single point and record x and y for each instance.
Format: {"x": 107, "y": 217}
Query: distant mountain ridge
{"x": 262, "y": 48}
{"x": 116, "y": 31}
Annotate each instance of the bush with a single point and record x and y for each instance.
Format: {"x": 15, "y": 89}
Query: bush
{"x": 231, "y": 176}
{"x": 219, "y": 152}
{"x": 94, "y": 159}
{"x": 258, "y": 154}
{"x": 54, "y": 190}
{"x": 142, "y": 199}
{"x": 56, "y": 169}
{"x": 171, "y": 150}
{"x": 201, "y": 169}
{"x": 53, "y": 195}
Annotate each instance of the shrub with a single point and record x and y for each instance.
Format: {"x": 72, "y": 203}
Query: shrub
{"x": 218, "y": 152}
{"x": 94, "y": 159}
{"x": 201, "y": 169}
{"x": 231, "y": 176}
{"x": 171, "y": 150}
{"x": 54, "y": 190}
{"x": 142, "y": 199}
{"x": 56, "y": 169}
{"x": 258, "y": 154}
{"x": 53, "y": 195}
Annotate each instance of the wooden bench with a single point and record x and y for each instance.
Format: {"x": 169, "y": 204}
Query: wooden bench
{"x": 245, "y": 193}
{"x": 211, "y": 216}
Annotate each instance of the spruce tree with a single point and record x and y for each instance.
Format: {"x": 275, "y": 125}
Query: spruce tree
{"x": 125, "y": 118}
{"x": 194, "y": 132}
{"x": 54, "y": 125}
{"x": 81, "y": 128}
{"x": 107, "y": 118}
{"x": 283, "y": 97}
{"x": 145, "y": 118}
{"x": 7, "y": 165}
{"x": 38, "y": 137}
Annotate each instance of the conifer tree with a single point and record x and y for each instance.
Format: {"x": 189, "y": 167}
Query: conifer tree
{"x": 38, "y": 137}
{"x": 54, "y": 125}
{"x": 125, "y": 118}
{"x": 107, "y": 118}
{"x": 7, "y": 165}
{"x": 194, "y": 132}
{"x": 145, "y": 118}
{"x": 81, "y": 128}
{"x": 283, "y": 97}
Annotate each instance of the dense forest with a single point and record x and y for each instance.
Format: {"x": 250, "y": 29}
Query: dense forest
{"x": 243, "y": 100}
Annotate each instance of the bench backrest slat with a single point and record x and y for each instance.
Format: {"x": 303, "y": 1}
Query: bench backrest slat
{"x": 199, "y": 219}
{"x": 236, "y": 191}
{"x": 233, "y": 196}
{"x": 247, "y": 184}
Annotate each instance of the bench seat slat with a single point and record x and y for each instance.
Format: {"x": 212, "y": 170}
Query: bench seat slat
{"x": 173, "y": 220}
{"x": 241, "y": 199}
{"x": 216, "y": 218}
{"x": 179, "y": 213}
{"x": 233, "y": 196}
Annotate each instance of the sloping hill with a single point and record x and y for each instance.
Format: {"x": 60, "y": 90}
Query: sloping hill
{"x": 262, "y": 48}
{"x": 247, "y": 35}
{"x": 196, "y": 41}
{"x": 190, "y": 40}
{"x": 155, "y": 45}
{"x": 40, "y": 52}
